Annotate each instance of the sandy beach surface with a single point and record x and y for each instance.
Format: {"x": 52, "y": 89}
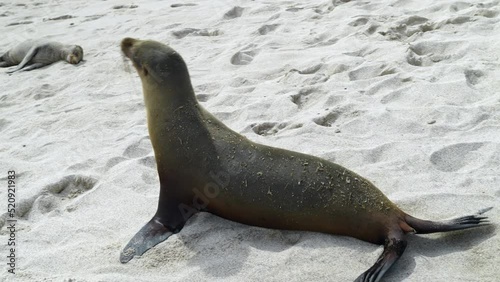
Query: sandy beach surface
{"x": 404, "y": 92}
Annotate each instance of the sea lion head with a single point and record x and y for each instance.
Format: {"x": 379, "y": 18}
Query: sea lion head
{"x": 156, "y": 63}
{"x": 75, "y": 55}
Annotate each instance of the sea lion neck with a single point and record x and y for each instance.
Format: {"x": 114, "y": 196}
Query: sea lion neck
{"x": 174, "y": 118}
{"x": 169, "y": 95}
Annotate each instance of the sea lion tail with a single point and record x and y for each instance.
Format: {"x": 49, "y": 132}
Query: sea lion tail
{"x": 464, "y": 222}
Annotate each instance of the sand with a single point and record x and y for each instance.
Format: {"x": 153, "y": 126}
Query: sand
{"x": 406, "y": 93}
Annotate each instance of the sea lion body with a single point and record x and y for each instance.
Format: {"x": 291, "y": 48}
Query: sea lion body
{"x": 205, "y": 166}
{"x": 272, "y": 187}
{"x": 32, "y": 54}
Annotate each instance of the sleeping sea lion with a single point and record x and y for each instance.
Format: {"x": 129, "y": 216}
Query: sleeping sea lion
{"x": 205, "y": 166}
{"x": 33, "y": 54}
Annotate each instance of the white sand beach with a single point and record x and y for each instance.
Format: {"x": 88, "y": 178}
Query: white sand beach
{"x": 404, "y": 92}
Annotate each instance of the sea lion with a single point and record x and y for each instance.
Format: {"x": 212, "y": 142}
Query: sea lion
{"x": 205, "y": 166}
{"x": 33, "y": 54}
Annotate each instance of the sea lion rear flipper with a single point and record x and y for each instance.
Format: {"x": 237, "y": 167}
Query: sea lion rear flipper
{"x": 393, "y": 249}
{"x": 464, "y": 222}
{"x": 31, "y": 53}
{"x": 151, "y": 234}
{"x": 32, "y": 67}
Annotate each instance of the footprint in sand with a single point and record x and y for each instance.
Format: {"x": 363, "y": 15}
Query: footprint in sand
{"x": 245, "y": 56}
{"x": 148, "y": 161}
{"x": 271, "y": 128}
{"x": 182, "y": 4}
{"x": 203, "y": 97}
{"x": 322, "y": 39}
{"x": 414, "y": 20}
{"x": 456, "y": 156}
{"x": 301, "y": 98}
{"x": 60, "y": 18}
{"x": 267, "y": 128}
{"x": 486, "y": 13}
{"x": 265, "y": 29}
{"x": 58, "y": 194}
{"x": 85, "y": 165}
{"x": 458, "y": 6}
{"x": 307, "y": 75}
{"x": 458, "y": 20}
{"x": 363, "y": 52}
{"x": 358, "y": 22}
{"x": 310, "y": 70}
{"x": 119, "y": 7}
{"x": 327, "y": 120}
{"x": 427, "y": 53}
{"x": 196, "y": 32}
{"x": 367, "y": 71}
{"x": 19, "y": 23}
{"x": 139, "y": 148}
{"x": 407, "y": 27}
{"x": 45, "y": 91}
{"x": 114, "y": 161}
{"x": 93, "y": 17}
{"x": 473, "y": 77}
{"x": 235, "y": 12}
{"x": 54, "y": 197}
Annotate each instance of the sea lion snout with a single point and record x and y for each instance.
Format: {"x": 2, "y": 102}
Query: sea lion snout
{"x": 126, "y": 45}
{"x": 129, "y": 48}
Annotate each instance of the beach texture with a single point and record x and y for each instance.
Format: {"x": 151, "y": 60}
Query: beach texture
{"x": 404, "y": 92}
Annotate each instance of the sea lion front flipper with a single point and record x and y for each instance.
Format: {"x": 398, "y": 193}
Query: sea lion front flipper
{"x": 31, "y": 53}
{"x": 151, "y": 234}
{"x": 393, "y": 249}
{"x": 169, "y": 219}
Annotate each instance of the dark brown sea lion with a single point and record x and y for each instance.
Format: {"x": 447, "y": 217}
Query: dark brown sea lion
{"x": 205, "y": 166}
{"x": 33, "y": 54}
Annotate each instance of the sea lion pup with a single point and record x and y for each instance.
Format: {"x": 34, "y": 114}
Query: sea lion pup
{"x": 34, "y": 54}
{"x": 205, "y": 166}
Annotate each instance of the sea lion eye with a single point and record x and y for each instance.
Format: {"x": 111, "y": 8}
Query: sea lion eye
{"x": 145, "y": 71}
